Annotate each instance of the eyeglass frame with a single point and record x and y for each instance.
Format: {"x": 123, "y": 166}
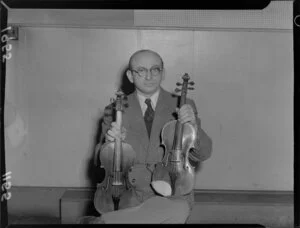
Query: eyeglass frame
{"x": 160, "y": 69}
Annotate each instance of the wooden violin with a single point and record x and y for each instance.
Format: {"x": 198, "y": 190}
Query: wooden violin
{"x": 175, "y": 175}
{"x": 115, "y": 192}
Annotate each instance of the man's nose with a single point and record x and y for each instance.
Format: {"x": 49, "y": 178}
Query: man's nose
{"x": 148, "y": 75}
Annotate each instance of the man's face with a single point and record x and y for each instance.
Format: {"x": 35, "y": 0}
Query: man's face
{"x": 146, "y": 73}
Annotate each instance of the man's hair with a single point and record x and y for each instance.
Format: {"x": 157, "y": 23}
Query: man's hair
{"x": 144, "y": 51}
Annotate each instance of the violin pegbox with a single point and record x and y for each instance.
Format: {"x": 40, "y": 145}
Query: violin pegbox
{"x": 186, "y": 85}
{"x": 121, "y": 101}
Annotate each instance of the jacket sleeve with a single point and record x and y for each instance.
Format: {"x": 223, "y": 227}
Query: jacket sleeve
{"x": 203, "y": 145}
{"x": 106, "y": 121}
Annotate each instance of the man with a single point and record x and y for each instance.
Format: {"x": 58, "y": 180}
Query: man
{"x": 146, "y": 72}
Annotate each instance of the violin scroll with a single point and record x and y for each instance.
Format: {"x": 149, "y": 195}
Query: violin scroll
{"x": 185, "y": 85}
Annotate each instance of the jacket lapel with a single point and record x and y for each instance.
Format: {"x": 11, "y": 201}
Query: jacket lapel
{"x": 137, "y": 123}
{"x": 160, "y": 118}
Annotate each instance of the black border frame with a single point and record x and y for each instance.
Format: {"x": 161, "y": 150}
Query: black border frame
{"x": 296, "y": 43}
{"x": 136, "y": 4}
{"x": 154, "y": 4}
{"x": 3, "y": 24}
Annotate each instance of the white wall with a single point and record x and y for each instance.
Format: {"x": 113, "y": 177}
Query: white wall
{"x": 60, "y": 79}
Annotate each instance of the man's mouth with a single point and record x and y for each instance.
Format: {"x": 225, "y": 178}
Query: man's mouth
{"x": 149, "y": 84}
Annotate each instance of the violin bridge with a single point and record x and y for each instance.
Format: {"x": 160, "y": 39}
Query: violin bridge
{"x": 116, "y": 183}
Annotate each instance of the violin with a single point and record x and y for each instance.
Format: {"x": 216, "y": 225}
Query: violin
{"x": 174, "y": 175}
{"x": 117, "y": 158}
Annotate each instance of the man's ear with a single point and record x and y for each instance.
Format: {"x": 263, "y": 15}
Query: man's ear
{"x": 129, "y": 76}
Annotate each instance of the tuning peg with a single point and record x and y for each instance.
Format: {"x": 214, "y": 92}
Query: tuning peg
{"x": 119, "y": 92}
{"x": 191, "y": 88}
{"x": 177, "y": 90}
{"x": 179, "y": 84}
{"x": 112, "y": 100}
{"x": 191, "y": 83}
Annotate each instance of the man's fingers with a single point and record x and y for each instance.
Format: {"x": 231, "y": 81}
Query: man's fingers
{"x": 109, "y": 138}
{"x": 110, "y": 133}
{"x": 186, "y": 114}
{"x": 187, "y": 119}
{"x": 113, "y": 133}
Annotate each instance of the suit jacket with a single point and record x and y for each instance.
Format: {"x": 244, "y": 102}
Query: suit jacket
{"x": 149, "y": 150}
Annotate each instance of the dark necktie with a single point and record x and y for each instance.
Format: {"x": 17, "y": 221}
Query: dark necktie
{"x": 149, "y": 116}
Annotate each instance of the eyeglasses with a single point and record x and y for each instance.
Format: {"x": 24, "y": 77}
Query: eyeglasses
{"x": 142, "y": 72}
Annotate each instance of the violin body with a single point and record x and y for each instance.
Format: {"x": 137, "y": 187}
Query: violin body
{"x": 175, "y": 169}
{"x": 117, "y": 157}
{"x": 174, "y": 175}
{"x": 103, "y": 199}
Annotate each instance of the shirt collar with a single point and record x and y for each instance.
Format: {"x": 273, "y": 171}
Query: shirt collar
{"x": 153, "y": 98}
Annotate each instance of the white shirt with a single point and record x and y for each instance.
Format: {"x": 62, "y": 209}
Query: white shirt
{"x": 142, "y": 99}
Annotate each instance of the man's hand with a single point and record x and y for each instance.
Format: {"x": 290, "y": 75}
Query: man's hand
{"x": 115, "y": 132}
{"x": 186, "y": 114}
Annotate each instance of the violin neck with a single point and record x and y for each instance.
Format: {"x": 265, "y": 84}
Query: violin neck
{"x": 118, "y": 144}
{"x": 177, "y": 142}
